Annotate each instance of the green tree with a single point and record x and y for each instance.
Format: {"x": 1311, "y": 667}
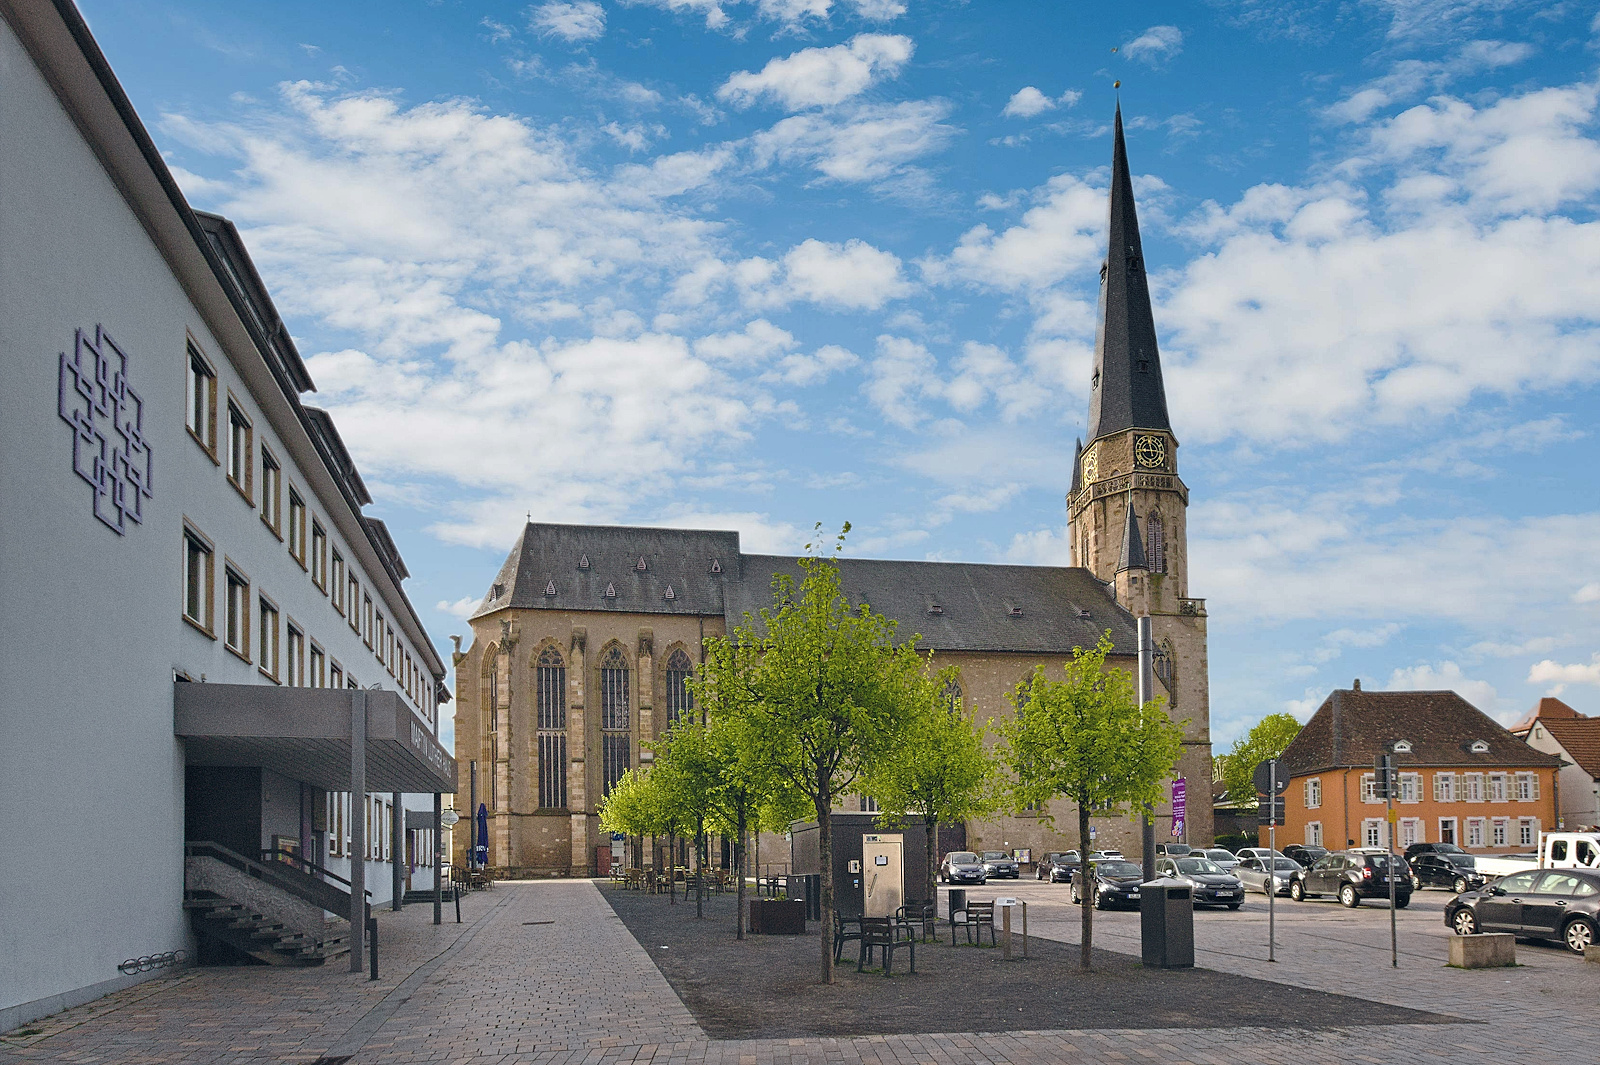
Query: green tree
{"x": 823, "y": 703}
{"x": 1268, "y": 739}
{"x": 1086, "y": 738}
{"x": 941, "y": 768}
{"x": 688, "y": 773}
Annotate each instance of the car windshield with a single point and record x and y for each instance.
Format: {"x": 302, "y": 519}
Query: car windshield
{"x": 961, "y": 857}
{"x": 1381, "y": 861}
{"x": 1288, "y": 865}
{"x": 1119, "y": 869}
{"x": 1220, "y": 856}
{"x": 991, "y": 855}
{"x": 1197, "y": 865}
{"x": 1462, "y": 861}
{"x": 1447, "y": 848}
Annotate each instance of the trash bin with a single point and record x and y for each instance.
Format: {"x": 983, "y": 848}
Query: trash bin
{"x": 1166, "y": 920}
{"x": 807, "y": 888}
{"x": 958, "y": 901}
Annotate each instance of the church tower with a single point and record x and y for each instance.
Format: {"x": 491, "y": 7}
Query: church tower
{"x": 1127, "y": 507}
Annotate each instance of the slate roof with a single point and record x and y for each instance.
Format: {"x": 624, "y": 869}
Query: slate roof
{"x": 1132, "y": 556}
{"x": 1127, "y": 392}
{"x": 1353, "y": 727}
{"x": 1057, "y": 608}
{"x": 1580, "y": 737}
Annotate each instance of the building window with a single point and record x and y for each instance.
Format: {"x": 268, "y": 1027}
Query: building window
{"x": 1155, "y": 544}
{"x": 1444, "y": 789}
{"x": 1313, "y": 793}
{"x": 318, "y": 673}
{"x": 335, "y": 674}
{"x": 680, "y": 700}
{"x": 1447, "y": 830}
{"x": 296, "y": 648}
{"x": 1527, "y": 785}
{"x": 366, "y": 619}
{"x": 297, "y": 527}
{"x": 1474, "y": 832}
{"x": 1497, "y": 787}
{"x": 550, "y": 701}
{"x": 1372, "y": 832}
{"x": 1314, "y": 834}
{"x": 1164, "y": 664}
{"x": 1410, "y": 787}
{"x": 352, "y": 603}
{"x": 614, "y": 722}
{"x": 1472, "y": 788}
{"x": 319, "y": 555}
{"x": 1410, "y": 831}
{"x": 1500, "y": 832}
{"x": 236, "y": 624}
{"x": 336, "y": 581}
{"x": 869, "y": 805}
{"x": 1527, "y": 831}
{"x": 241, "y": 445}
{"x": 202, "y": 413}
{"x": 268, "y": 658}
{"x": 199, "y": 575}
{"x": 1369, "y": 788}
{"x": 271, "y": 493}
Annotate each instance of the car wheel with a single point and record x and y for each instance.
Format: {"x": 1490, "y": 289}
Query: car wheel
{"x": 1402, "y": 901}
{"x": 1296, "y": 892}
{"x": 1460, "y": 885}
{"x": 1464, "y": 922}
{"x": 1578, "y": 935}
{"x": 1234, "y": 905}
{"x": 1348, "y": 896}
{"x": 1099, "y": 901}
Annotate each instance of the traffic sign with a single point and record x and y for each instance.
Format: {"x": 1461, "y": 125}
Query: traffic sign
{"x": 1263, "y": 777}
{"x": 448, "y": 818}
{"x": 1270, "y": 812}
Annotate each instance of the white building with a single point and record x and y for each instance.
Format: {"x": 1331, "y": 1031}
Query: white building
{"x": 192, "y": 605}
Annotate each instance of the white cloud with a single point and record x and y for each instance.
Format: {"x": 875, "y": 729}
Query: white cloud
{"x": 869, "y": 143}
{"x": 821, "y": 77}
{"x": 900, "y": 376}
{"x": 1155, "y": 44}
{"x": 1433, "y": 19}
{"x": 803, "y": 370}
{"x": 879, "y": 10}
{"x": 1061, "y": 236}
{"x": 1028, "y": 101}
{"x": 711, "y": 10}
{"x": 1551, "y": 672}
{"x": 583, "y": 20}
{"x": 792, "y": 14}
{"x": 853, "y": 275}
{"x": 1446, "y": 676}
{"x": 1411, "y": 77}
{"x": 1589, "y": 593}
{"x": 461, "y": 608}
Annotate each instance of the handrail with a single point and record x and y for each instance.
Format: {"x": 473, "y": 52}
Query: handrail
{"x": 309, "y": 867}
{"x": 281, "y": 875}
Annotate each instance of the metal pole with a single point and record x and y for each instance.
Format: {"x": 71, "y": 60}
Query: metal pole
{"x": 372, "y": 933}
{"x": 1147, "y": 831}
{"x": 1272, "y": 864}
{"x": 1390, "y": 778}
{"x": 358, "y": 825}
{"x": 438, "y": 855}
{"x": 397, "y": 853}
{"x": 472, "y": 821}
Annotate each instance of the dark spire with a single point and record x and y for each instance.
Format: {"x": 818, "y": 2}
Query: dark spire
{"x": 1077, "y": 470}
{"x": 1127, "y": 391}
{"x": 1132, "y": 543}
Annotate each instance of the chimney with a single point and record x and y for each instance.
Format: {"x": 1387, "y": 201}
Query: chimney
{"x": 1355, "y": 685}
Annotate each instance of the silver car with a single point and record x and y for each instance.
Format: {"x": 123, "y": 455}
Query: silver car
{"x": 1252, "y": 873}
{"x": 1226, "y": 860}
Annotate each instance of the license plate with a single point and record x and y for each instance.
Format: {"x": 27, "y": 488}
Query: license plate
{"x": 1225, "y": 894}
{"x": 1133, "y": 894}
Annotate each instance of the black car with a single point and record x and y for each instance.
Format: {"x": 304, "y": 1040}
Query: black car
{"x": 1352, "y": 876}
{"x": 1304, "y": 853}
{"x": 1057, "y": 866}
{"x": 1559, "y": 904}
{"x": 1453, "y": 871}
{"x": 1001, "y": 866}
{"x": 1432, "y": 848}
{"x": 962, "y": 867}
{"x": 1116, "y": 884}
{"x": 1209, "y": 884}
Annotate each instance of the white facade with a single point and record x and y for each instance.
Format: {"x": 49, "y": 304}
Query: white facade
{"x": 99, "y": 260}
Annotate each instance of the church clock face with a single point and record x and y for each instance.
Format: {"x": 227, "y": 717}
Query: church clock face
{"x": 1151, "y": 452}
{"x": 1090, "y": 464}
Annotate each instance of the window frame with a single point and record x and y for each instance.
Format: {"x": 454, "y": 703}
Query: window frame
{"x": 294, "y": 654}
{"x": 200, "y": 368}
{"x": 1495, "y": 789}
{"x": 366, "y": 618}
{"x": 237, "y": 580}
{"x": 336, "y": 579}
{"x": 1444, "y": 786}
{"x": 297, "y": 526}
{"x": 1312, "y": 793}
{"x": 271, "y": 492}
{"x": 1450, "y": 830}
{"x": 198, "y": 542}
{"x": 319, "y": 556}
{"x": 268, "y": 638}
{"x": 335, "y": 673}
{"x": 316, "y": 665}
{"x": 247, "y": 462}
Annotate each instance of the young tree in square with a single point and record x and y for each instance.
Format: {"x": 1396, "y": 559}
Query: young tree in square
{"x": 940, "y": 769}
{"x": 1268, "y": 739}
{"x": 687, "y": 771}
{"x": 824, "y": 700}
{"x": 1086, "y": 738}
{"x": 638, "y": 806}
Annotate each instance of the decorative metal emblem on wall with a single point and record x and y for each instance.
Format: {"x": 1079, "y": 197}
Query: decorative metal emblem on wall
{"x": 109, "y": 449}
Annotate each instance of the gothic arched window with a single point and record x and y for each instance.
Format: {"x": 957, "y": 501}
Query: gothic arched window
{"x": 1155, "y": 540}
{"x": 680, "y": 700}
{"x": 1164, "y": 664}
{"x": 550, "y": 696}
{"x": 614, "y": 721}
{"x": 951, "y": 696}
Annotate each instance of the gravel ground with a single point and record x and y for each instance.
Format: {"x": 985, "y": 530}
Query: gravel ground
{"x": 766, "y": 986}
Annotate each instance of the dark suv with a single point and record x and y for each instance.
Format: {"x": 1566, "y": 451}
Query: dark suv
{"x": 1453, "y": 871}
{"x": 1057, "y": 866}
{"x": 1306, "y": 854}
{"x": 1354, "y": 875}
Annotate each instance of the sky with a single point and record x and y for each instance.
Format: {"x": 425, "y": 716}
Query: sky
{"x": 758, "y": 264}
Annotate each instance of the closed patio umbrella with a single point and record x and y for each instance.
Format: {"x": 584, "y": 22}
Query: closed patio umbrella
{"x": 480, "y": 853}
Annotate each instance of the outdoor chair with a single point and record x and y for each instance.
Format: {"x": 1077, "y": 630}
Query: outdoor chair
{"x": 885, "y": 934}
{"x": 921, "y": 914}
{"x": 979, "y": 914}
{"x": 844, "y": 928}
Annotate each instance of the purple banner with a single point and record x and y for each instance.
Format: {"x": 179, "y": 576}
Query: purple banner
{"x": 1180, "y": 807}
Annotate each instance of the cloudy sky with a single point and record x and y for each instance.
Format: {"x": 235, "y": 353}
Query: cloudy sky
{"x": 755, "y": 264}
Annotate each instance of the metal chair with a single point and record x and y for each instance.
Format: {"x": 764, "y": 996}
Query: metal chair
{"x": 924, "y": 914}
{"x": 885, "y": 934}
{"x": 979, "y": 914}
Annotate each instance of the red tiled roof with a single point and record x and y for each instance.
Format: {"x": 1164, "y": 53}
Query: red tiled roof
{"x": 1580, "y": 738}
{"x": 1549, "y": 708}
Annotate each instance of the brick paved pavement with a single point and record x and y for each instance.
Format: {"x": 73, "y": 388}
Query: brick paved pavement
{"x": 507, "y": 987}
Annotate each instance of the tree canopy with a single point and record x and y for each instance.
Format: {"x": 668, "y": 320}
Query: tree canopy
{"x": 1268, "y": 739}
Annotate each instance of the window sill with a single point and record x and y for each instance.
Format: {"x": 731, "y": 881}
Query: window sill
{"x": 263, "y": 671}
{"x": 271, "y": 528}
{"x": 300, "y": 561}
{"x": 244, "y": 493}
{"x": 209, "y": 449}
{"x": 243, "y": 656}
{"x": 204, "y": 630}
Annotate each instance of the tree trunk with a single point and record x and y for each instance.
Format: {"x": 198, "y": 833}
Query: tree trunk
{"x": 932, "y": 826}
{"x": 738, "y": 866}
{"x": 672, "y": 871}
{"x": 700, "y": 874}
{"x": 1088, "y": 891}
{"x": 758, "y": 856}
{"x": 825, "y": 852}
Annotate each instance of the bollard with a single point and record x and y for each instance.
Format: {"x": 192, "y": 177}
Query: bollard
{"x": 372, "y": 934}
{"x": 458, "y": 904}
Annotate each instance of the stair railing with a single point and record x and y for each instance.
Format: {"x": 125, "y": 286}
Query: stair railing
{"x": 285, "y": 876}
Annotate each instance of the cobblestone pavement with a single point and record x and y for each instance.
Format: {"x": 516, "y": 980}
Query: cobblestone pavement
{"x": 544, "y": 973}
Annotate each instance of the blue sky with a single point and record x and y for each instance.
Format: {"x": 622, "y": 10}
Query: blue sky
{"x": 760, "y": 263}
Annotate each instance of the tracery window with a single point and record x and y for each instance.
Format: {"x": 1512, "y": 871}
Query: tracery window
{"x": 550, "y": 696}
{"x": 1155, "y": 543}
{"x": 951, "y": 695}
{"x": 614, "y": 719}
{"x": 680, "y": 700}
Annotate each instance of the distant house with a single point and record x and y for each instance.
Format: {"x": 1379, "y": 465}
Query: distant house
{"x": 1557, "y": 728}
{"x": 1464, "y": 778}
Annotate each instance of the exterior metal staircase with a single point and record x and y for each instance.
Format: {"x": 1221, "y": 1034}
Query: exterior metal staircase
{"x": 283, "y": 883}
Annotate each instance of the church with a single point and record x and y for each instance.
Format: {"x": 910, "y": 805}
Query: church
{"x": 582, "y": 647}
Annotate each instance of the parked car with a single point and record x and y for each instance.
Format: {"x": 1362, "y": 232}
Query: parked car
{"x": 1432, "y": 848}
{"x": 1305, "y": 854}
{"x": 1211, "y": 886}
{"x": 1116, "y": 884}
{"x": 1453, "y": 871}
{"x": 1257, "y": 852}
{"x": 1001, "y": 866}
{"x": 1057, "y": 866}
{"x": 1354, "y": 875}
{"x": 1559, "y": 904}
{"x": 1226, "y": 860}
{"x": 1172, "y": 850}
{"x": 1252, "y": 873}
{"x": 962, "y": 867}
{"x": 1106, "y": 856}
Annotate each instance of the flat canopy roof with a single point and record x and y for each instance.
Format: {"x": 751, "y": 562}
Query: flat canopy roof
{"x": 304, "y": 733}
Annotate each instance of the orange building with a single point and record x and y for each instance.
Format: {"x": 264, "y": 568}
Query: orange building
{"x": 1464, "y": 779}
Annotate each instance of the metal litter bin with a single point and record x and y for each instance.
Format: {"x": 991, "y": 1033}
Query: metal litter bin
{"x": 1166, "y": 923}
{"x": 958, "y": 901}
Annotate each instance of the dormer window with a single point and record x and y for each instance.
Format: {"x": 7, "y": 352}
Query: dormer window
{"x": 1016, "y": 612}
{"x": 669, "y": 594}
{"x": 550, "y": 588}
{"x": 716, "y": 566}
{"x": 935, "y": 609}
{"x": 611, "y": 591}
{"x": 1479, "y": 747}
{"x": 640, "y": 565}
{"x": 583, "y": 563}
{"x": 1402, "y": 746}
{"x": 497, "y": 591}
